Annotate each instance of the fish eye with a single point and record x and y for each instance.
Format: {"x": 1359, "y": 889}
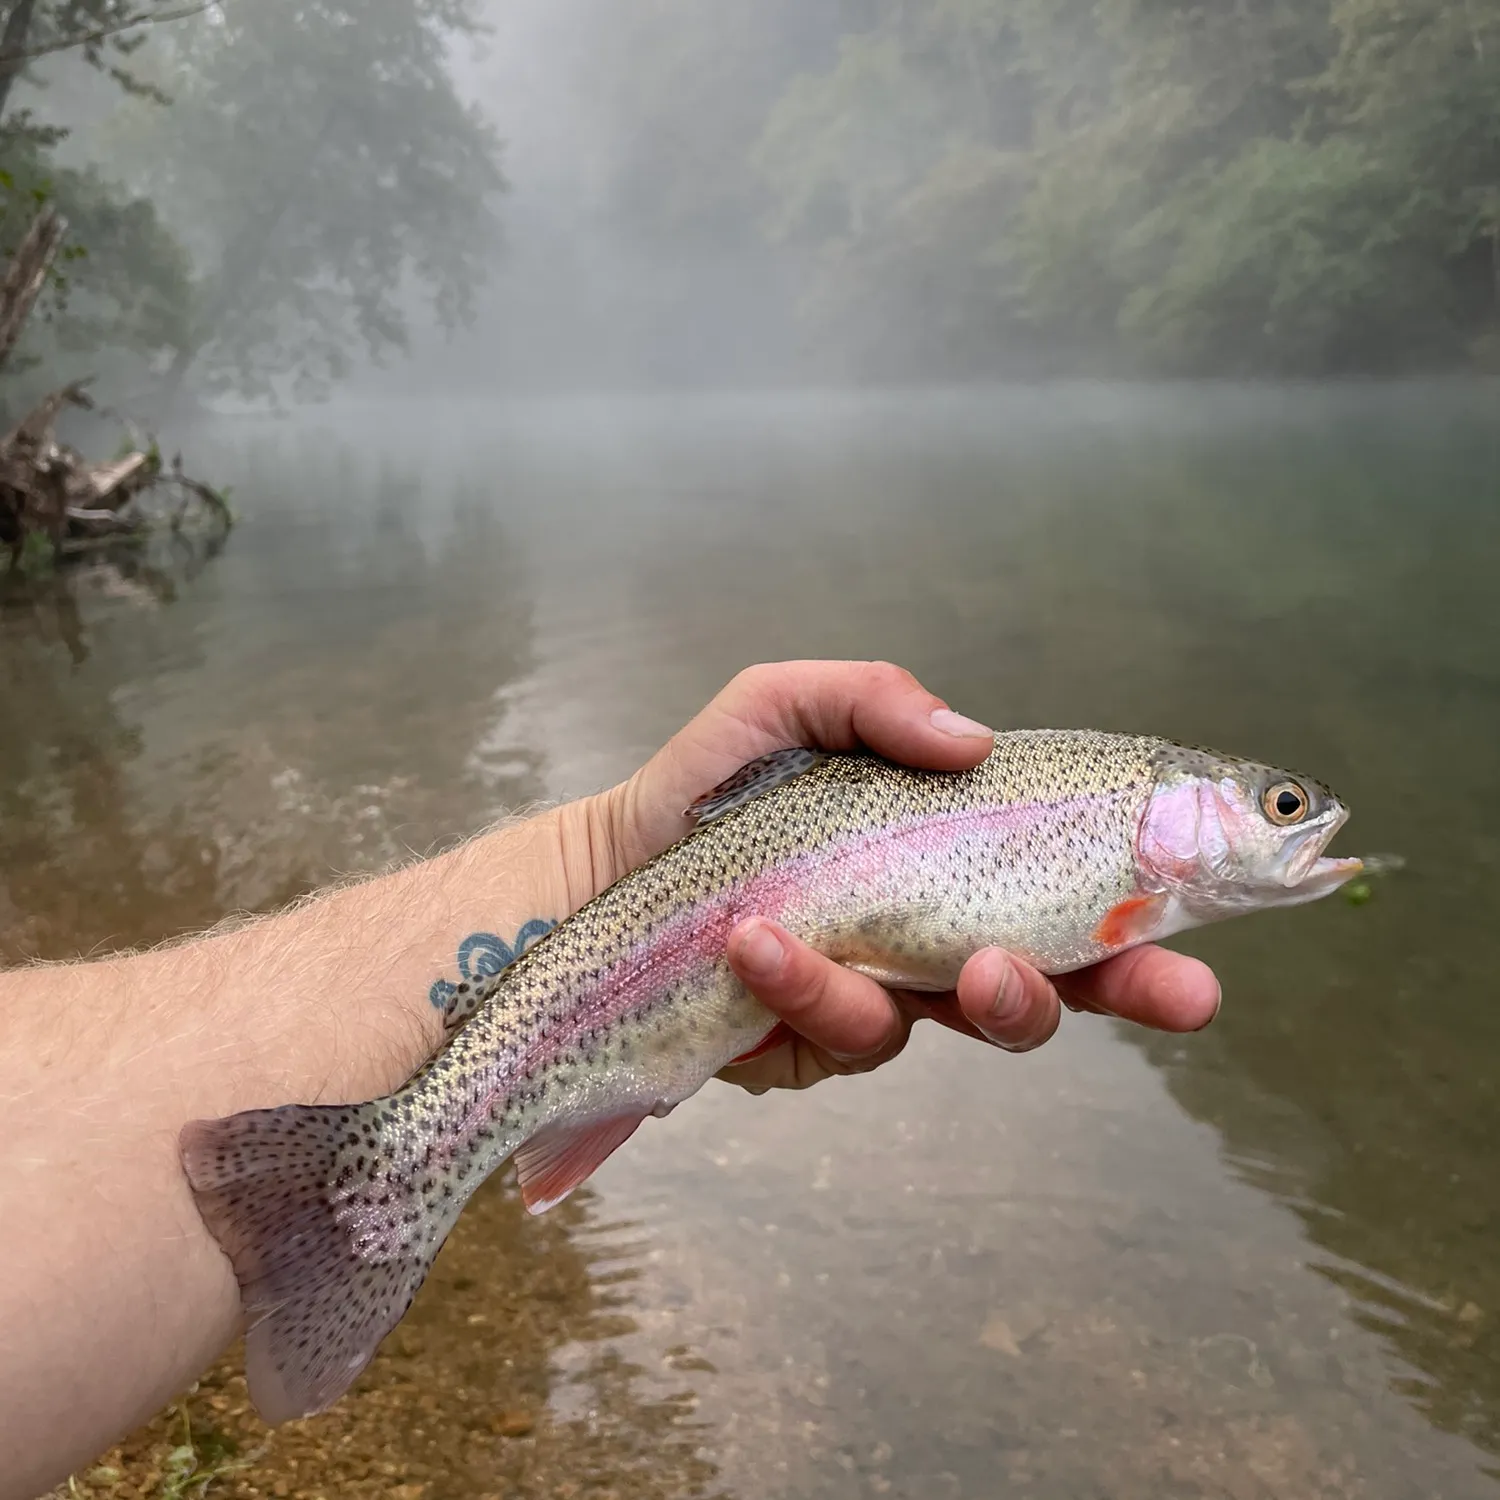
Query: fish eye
{"x": 1285, "y": 803}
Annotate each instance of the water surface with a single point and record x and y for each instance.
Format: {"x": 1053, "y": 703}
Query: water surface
{"x": 1260, "y": 1261}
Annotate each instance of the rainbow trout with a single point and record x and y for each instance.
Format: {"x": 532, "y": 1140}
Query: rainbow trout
{"x": 1063, "y": 846}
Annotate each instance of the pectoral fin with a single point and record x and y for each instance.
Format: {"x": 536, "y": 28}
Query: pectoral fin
{"x": 1130, "y": 921}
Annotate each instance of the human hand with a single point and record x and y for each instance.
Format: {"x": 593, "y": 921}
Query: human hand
{"x": 839, "y": 1021}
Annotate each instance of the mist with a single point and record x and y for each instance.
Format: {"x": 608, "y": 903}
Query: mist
{"x": 587, "y": 196}
{"x": 592, "y": 290}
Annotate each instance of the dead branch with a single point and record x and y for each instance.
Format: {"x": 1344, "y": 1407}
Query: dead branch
{"x": 98, "y": 482}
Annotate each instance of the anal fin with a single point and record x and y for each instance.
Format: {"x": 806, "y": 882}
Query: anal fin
{"x": 778, "y": 1034}
{"x": 560, "y": 1157}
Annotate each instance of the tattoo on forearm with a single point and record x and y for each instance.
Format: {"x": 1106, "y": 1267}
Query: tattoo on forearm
{"x": 481, "y": 956}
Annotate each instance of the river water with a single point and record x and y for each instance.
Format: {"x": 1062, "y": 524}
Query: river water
{"x": 1259, "y": 1261}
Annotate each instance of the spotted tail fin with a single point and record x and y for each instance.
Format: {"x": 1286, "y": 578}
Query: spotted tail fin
{"x": 329, "y": 1235}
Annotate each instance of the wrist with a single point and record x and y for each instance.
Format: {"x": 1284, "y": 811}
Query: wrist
{"x": 592, "y": 848}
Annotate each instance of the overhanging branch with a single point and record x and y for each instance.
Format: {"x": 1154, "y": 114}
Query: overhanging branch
{"x": 92, "y": 36}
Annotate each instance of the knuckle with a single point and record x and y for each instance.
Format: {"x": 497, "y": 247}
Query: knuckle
{"x": 886, "y": 676}
{"x": 763, "y": 677}
{"x": 748, "y": 682}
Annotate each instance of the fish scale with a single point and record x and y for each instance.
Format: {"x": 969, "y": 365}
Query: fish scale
{"x": 332, "y": 1214}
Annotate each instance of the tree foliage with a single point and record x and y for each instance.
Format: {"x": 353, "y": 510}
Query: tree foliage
{"x": 122, "y": 281}
{"x": 1236, "y": 185}
{"x": 287, "y": 180}
{"x": 950, "y": 187}
{"x": 324, "y": 173}
{"x": 102, "y": 33}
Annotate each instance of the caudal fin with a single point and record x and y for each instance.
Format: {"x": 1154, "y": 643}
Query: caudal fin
{"x": 330, "y": 1241}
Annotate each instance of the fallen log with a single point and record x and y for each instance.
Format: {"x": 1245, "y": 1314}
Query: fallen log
{"x": 48, "y": 489}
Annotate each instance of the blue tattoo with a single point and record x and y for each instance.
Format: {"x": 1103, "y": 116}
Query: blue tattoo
{"x": 481, "y": 955}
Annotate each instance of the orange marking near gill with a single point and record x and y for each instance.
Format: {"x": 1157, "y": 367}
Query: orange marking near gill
{"x": 1128, "y": 920}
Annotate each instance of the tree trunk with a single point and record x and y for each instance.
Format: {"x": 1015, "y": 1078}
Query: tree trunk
{"x": 27, "y": 275}
{"x": 12, "y": 41}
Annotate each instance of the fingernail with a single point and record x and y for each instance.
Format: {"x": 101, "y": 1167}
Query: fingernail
{"x": 1218, "y": 1001}
{"x": 960, "y": 727}
{"x": 760, "y": 951}
{"x": 1005, "y": 1009}
{"x": 1089, "y": 1007}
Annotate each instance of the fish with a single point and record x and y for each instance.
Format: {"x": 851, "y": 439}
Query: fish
{"x": 1063, "y": 846}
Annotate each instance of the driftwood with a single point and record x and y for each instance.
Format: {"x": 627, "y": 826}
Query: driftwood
{"x": 48, "y": 489}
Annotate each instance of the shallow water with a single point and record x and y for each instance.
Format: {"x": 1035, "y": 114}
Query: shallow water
{"x": 1257, "y": 1261}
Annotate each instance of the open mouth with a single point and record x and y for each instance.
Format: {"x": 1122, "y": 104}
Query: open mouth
{"x": 1329, "y": 874}
{"x": 1312, "y": 871}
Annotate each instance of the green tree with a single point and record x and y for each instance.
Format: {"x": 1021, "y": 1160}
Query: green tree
{"x": 1418, "y": 81}
{"x": 1289, "y": 259}
{"x": 323, "y": 172}
{"x": 896, "y": 174}
{"x": 1257, "y": 185}
{"x": 678, "y": 91}
{"x": 122, "y": 282}
{"x": 1126, "y": 165}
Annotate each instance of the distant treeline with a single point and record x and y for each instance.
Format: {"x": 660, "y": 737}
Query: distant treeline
{"x": 1231, "y": 186}
{"x": 949, "y": 188}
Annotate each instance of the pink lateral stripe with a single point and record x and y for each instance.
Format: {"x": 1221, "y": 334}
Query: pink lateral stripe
{"x": 698, "y": 935}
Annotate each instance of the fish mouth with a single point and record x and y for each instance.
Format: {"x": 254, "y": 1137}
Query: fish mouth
{"x": 1311, "y": 872}
{"x": 1329, "y": 874}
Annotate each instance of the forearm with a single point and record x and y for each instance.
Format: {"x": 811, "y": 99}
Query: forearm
{"x": 114, "y": 1296}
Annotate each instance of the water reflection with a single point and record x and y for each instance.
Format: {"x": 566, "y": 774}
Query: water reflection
{"x": 304, "y": 709}
{"x": 1390, "y": 1172}
{"x": 50, "y": 606}
{"x": 1307, "y": 577}
{"x": 1352, "y": 1077}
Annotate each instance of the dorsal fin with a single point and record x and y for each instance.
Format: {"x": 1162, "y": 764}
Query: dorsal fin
{"x": 752, "y": 780}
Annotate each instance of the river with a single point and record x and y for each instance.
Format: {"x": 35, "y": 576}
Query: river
{"x": 1259, "y": 1261}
